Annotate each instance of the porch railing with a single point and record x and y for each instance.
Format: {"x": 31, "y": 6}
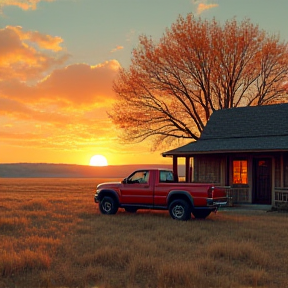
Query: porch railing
{"x": 236, "y": 195}
{"x": 281, "y": 196}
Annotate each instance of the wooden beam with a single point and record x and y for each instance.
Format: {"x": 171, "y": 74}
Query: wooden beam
{"x": 187, "y": 169}
{"x": 175, "y": 167}
{"x": 282, "y": 170}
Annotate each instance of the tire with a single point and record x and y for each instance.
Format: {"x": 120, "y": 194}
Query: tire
{"x": 108, "y": 206}
{"x": 131, "y": 209}
{"x": 201, "y": 214}
{"x": 180, "y": 210}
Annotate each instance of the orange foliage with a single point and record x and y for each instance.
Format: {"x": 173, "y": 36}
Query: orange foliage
{"x": 198, "y": 66}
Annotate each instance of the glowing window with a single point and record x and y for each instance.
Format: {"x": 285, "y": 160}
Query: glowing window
{"x": 240, "y": 172}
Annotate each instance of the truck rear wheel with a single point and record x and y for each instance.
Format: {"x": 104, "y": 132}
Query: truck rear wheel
{"x": 180, "y": 210}
{"x": 108, "y": 206}
{"x": 201, "y": 214}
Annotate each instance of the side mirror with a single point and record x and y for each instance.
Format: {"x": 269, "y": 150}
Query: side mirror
{"x": 124, "y": 181}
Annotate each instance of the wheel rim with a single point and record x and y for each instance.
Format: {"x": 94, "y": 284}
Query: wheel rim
{"x": 178, "y": 211}
{"x": 106, "y": 206}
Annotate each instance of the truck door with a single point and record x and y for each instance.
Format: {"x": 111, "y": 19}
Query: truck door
{"x": 138, "y": 188}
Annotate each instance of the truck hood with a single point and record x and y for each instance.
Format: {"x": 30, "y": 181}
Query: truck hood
{"x": 108, "y": 185}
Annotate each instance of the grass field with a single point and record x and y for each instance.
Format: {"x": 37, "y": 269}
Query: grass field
{"x": 52, "y": 235}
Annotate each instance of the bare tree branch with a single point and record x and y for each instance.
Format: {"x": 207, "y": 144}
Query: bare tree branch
{"x": 173, "y": 86}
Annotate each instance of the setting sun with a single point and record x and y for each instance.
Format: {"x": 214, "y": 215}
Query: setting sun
{"x": 98, "y": 160}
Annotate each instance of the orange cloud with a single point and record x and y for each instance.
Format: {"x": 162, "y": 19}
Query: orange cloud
{"x": 70, "y": 87}
{"x": 19, "y": 59}
{"x": 81, "y": 83}
{"x": 44, "y": 104}
{"x": 74, "y": 85}
{"x": 43, "y": 41}
{"x": 20, "y": 111}
{"x": 69, "y": 106}
{"x": 12, "y": 107}
{"x": 73, "y": 133}
{"x": 202, "y": 7}
{"x": 23, "y": 4}
{"x": 117, "y": 48}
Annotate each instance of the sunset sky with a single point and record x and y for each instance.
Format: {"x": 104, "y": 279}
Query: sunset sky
{"x": 58, "y": 59}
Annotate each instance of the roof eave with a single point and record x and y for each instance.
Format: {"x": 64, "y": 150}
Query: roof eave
{"x": 191, "y": 153}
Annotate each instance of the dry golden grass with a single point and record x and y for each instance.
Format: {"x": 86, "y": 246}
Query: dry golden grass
{"x": 52, "y": 235}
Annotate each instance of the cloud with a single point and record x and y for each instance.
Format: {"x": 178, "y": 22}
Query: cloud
{"x": 20, "y": 111}
{"x": 80, "y": 84}
{"x": 70, "y": 105}
{"x": 203, "y": 6}
{"x": 45, "y": 104}
{"x": 73, "y": 132}
{"x": 12, "y": 107}
{"x": 117, "y": 48}
{"x": 23, "y": 4}
{"x": 27, "y": 55}
{"x": 72, "y": 86}
{"x": 42, "y": 40}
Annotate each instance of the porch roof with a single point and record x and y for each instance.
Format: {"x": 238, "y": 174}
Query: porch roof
{"x": 245, "y": 129}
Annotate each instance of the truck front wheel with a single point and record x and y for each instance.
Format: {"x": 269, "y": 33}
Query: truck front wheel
{"x": 180, "y": 210}
{"x": 108, "y": 206}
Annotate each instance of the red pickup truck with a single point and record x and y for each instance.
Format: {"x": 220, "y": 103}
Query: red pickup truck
{"x": 157, "y": 189}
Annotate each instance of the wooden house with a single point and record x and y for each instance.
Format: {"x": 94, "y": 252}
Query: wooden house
{"x": 244, "y": 149}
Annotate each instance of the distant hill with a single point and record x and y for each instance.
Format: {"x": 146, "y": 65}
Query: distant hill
{"x": 44, "y": 170}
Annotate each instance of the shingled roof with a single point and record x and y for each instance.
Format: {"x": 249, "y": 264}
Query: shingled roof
{"x": 244, "y": 129}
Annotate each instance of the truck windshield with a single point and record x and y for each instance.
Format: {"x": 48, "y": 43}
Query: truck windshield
{"x": 139, "y": 177}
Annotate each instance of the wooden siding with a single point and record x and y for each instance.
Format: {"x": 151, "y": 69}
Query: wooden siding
{"x": 207, "y": 169}
{"x": 213, "y": 169}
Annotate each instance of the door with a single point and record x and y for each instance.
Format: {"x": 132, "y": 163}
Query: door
{"x": 138, "y": 189}
{"x": 262, "y": 181}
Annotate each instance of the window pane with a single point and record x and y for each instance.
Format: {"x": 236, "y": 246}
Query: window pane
{"x": 240, "y": 172}
{"x": 166, "y": 176}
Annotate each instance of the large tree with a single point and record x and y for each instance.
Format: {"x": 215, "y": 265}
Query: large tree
{"x": 173, "y": 85}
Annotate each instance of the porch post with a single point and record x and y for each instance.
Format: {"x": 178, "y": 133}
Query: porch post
{"x": 187, "y": 169}
{"x": 282, "y": 170}
{"x": 175, "y": 166}
{"x": 273, "y": 182}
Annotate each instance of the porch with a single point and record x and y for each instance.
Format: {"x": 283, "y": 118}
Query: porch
{"x": 241, "y": 196}
{"x": 263, "y": 177}
{"x": 281, "y": 196}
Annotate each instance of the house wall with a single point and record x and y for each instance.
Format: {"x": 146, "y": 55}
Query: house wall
{"x": 217, "y": 169}
{"x": 209, "y": 169}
